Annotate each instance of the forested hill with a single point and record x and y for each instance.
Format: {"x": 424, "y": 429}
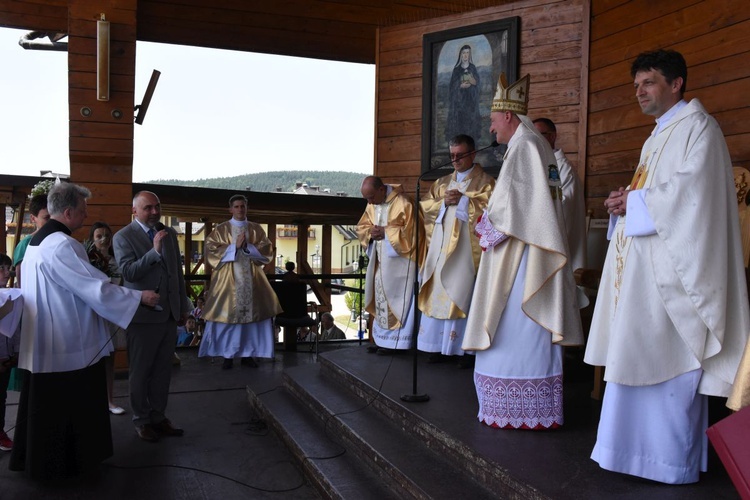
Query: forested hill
{"x": 348, "y": 182}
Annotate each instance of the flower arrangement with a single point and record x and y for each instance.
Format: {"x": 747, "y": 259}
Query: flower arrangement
{"x": 42, "y": 187}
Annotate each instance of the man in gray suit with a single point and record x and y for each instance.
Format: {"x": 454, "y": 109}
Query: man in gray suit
{"x": 149, "y": 259}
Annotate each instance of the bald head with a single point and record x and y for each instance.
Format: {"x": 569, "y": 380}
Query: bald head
{"x": 147, "y": 208}
{"x": 373, "y": 190}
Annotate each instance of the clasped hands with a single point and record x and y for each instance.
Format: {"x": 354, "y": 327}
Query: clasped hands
{"x": 452, "y": 197}
{"x": 377, "y": 232}
{"x": 617, "y": 202}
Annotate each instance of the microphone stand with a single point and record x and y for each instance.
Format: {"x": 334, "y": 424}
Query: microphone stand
{"x": 415, "y": 397}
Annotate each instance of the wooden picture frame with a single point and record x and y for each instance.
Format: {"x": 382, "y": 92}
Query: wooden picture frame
{"x": 457, "y": 91}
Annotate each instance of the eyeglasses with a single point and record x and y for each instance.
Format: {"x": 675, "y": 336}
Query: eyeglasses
{"x": 459, "y": 156}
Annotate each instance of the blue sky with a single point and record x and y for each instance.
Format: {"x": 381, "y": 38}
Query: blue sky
{"x": 215, "y": 113}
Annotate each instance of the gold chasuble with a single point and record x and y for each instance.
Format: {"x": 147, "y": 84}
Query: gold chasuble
{"x": 390, "y": 273}
{"x": 239, "y": 291}
{"x": 442, "y": 274}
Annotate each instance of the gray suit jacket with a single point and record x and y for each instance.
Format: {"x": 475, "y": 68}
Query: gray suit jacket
{"x": 143, "y": 269}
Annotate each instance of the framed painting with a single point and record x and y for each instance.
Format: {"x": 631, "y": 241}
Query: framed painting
{"x": 460, "y": 71}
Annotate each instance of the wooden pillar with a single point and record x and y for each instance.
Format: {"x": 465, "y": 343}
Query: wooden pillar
{"x": 101, "y": 132}
{"x": 188, "y": 247}
{"x": 207, "y": 269}
{"x": 326, "y": 257}
{"x": 302, "y": 246}
{"x": 270, "y": 268}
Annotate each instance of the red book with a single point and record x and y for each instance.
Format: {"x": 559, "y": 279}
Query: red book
{"x": 731, "y": 440}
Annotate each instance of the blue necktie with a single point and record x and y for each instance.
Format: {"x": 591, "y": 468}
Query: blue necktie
{"x": 151, "y": 233}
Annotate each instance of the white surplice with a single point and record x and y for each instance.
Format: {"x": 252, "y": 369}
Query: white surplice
{"x": 66, "y": 301}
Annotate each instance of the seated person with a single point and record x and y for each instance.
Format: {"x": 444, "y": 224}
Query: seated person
{"x": 329, "y": 330}
{"x": 185, "y": 334}
{"x": 198, "y": 312}
{"x": 290, "y": 275}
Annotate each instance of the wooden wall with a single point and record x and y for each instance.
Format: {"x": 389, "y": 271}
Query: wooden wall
{"x": 101, "y": 145}
{"x": 552, "y": 50}
{"x": 714, "y": 37}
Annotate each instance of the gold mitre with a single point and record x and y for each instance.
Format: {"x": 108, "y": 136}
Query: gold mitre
{"x": 514, "y": 98}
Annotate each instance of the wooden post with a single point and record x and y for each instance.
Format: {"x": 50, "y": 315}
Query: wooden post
{"x": 270, "y": 268}
{"x": 101, "y": 132}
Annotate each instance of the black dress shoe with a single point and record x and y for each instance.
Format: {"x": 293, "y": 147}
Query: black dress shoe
{"x": 228, "y": 363}
{"x": 466, "y": 361}
{"x": 372, "y": 348}
{"x": 165, "y": 428}
{"x": 147, "y": 433}
{"x": 249, "y": 361}
{"x": 435, "y": 357}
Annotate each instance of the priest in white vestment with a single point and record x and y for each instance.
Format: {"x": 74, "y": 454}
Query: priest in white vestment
{"x": 387, "y": 231}
{"x": 62, "y": 427}
{"x": 524, "y": 307}
{"x": 240, "y": 303}
{"x": 574, "y": 205}
{"x": 450, "y": 212}
{"x": 671, "y": 315}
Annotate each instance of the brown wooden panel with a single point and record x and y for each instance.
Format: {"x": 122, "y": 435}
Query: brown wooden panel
{"x": 400, "y": 109}
{"x": 558, "y": 114}
{"x": 734, "y": 121}
{"x": 109, "y": 193}
{"x": 84, "y": 63}
{"x": 93, "y": 144}
{"x": 101, "y": 130}
{"x": 602, "y": 185}
{"x": 402, "y": 56}
{"x": 394, "y": 168}
{"x": 689, "y": 23}
{"x": 599, "y": 7}
{"x": 622, "y": 140}
{"x": 87, "y": 28}
{"x": 712, "y": 47}
{"x": 399, "y": 148}
{"x": 541, "y": 53}
{"x": 396, "y": 89}
{"x": 258, "y": 39}
{"x": 49, "y": 15}
{"x": 739, "y": 147}
{"x": 118, "y": 49}
{"x": 83, "y": 97}
{"x": 101, "y": 112}
{"x": 551, "y": 35}
{"x": 115, "y": 11}
{"x": 117, "y": 216}
{"x": 404, "y": 127}
{"x": 87, "y": 80}
{"x": 103, "y": 172}
{"x": 619, "y": 161}
{"x": 558, "y": 69}
{"x": 634, "y": 12}
{"x": 400, "y": 72}
{"x": 100, "y": 157}
{"x": 557, "y": 93}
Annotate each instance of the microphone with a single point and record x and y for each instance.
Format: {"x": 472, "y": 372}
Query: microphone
{"x": 157, "y": 307}
{"x": 450, "y": 162}
{"x": 159, "y": 226}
